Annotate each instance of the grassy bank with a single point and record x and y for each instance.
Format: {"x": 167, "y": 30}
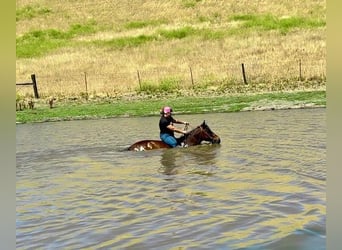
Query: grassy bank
{"x": 128, "y": 58}
{"x": 98, "y": 47}
{"x": 107, "y": 108}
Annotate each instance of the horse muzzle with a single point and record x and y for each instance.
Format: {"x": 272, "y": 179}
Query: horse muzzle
{"x": 216, "y": 140}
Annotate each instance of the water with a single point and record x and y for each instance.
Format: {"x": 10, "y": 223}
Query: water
{"x": 262, "y": 188}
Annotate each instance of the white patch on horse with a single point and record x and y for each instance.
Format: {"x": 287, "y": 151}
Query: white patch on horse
{"x": 141, "y": 148}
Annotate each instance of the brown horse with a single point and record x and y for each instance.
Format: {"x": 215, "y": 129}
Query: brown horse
{"x": 192, "y": 138}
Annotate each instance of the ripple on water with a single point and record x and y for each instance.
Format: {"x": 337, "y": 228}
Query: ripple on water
{"x": 263, "y": 188}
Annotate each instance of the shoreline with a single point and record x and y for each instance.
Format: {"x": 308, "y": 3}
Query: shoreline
{"x": 176, "y": 113}
{"x": 109, "y": 108}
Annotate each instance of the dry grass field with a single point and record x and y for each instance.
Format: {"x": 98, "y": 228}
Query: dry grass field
{"x": 105, "y": 47}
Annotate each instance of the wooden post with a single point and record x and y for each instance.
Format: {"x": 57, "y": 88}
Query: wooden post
{"x": 192, "y": 78}
{"x": 244, "y": 73}
{"x": 86, "y": 84}
{"x": 300, "y": 70}
{"x": 139, "y": 79}
{"x": 35, "y": 88}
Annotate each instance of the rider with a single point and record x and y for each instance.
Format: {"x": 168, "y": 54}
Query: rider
{"x": 166, "y": 127}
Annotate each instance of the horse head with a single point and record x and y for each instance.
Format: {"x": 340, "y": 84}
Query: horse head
{"x": 201, "y": 133}
{"x": 208, "y": 134}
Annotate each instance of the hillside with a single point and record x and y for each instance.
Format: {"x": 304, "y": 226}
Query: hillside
{"x": 115, "y": 47}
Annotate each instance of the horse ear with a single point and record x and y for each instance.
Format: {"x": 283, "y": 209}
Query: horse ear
{"x": 203, "y": 124}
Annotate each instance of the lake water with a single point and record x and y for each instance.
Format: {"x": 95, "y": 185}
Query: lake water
{"x": 264, "y": 187}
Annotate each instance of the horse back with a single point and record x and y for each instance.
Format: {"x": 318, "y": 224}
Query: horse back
{"x": 147, "y": 145}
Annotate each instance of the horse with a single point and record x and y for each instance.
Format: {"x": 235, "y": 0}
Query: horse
{"x": 195, "y": 137}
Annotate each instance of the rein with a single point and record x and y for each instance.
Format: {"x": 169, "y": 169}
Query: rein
{"x": 186, "y": 127}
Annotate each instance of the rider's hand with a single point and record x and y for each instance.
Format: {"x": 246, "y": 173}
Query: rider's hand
{"x": 186, "y": 123}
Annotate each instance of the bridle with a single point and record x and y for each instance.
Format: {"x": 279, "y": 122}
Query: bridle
{"x": 203, "y": 132}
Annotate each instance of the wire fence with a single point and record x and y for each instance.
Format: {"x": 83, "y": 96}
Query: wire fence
{"x": 238, "y": 77}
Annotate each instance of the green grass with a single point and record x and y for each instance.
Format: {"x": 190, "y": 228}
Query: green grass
{"x": 178, "y": 33}
{"x": 148, "y": 87}
{"x": 271, "y": 22}
{"x": 124, "y": 42}
{"x": 167, "y": 85}
{"x": 149, "y": 107}
{"x": 40, "y": 42}
{"x": 143, "y": 24}
{"x": 190, "y": 3}
{"x": 37, "y": 43}
{"x": 29, "y": 12}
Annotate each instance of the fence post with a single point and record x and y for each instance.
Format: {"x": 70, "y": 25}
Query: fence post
{"x": 244, "y": 73}
{"x": 86, "y": 84}
{"x": 300, "y": 70}
{"x": 35, "y": 88}
{"x": 139, "y": 79}
{"x": 192, "y": 78}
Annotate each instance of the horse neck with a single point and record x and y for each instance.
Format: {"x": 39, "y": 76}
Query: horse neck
{"x": 191, "y": 138}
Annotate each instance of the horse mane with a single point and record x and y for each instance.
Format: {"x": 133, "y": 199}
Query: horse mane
{"x": 192, "y": 132}
{"x": 203, "y": 125}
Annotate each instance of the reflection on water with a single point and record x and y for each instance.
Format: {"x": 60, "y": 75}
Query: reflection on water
{"x": 174, "y": 160}
{"x": 168, "y": 160}
{"x": 262, "y": 188}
